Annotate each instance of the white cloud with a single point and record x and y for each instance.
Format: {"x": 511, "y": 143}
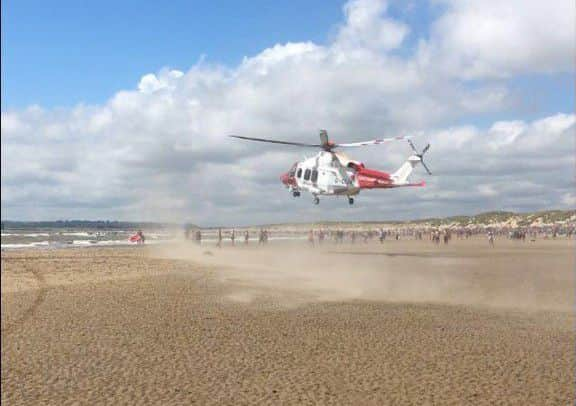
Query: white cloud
{"x": 569, "y": 200}
{"x": 166, "y": 79}
{"x": 487, "y": 190}
{"x": 505, "y": 132}
{"x": 493, "y": 38}
{"x": 368, "y": 28}
{"x": 159, "y": 152}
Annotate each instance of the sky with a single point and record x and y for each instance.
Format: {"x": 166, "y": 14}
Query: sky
{"x": 120, "y": 110}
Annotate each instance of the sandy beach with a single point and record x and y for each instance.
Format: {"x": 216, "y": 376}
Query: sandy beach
{"x": 404, "y": 322}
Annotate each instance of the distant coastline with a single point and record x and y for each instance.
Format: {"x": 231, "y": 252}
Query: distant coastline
{"x": 492, "y": 217}
{"x": 87, "y": 224}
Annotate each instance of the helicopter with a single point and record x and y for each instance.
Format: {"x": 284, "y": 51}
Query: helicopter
{"x": 331, "y": 173}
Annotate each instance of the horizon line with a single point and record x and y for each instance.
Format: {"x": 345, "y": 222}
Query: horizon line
{"x": 169, "y": 223}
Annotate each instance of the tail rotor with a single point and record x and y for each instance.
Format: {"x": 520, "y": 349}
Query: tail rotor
{"x": 420, "y": 154}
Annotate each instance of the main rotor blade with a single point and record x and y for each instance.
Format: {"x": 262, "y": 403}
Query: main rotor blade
{"x": 412, "y": 146}
{"x": 371, "y": 142}
{"x": 426, "y": 148}
{"x": 299, "y": 144}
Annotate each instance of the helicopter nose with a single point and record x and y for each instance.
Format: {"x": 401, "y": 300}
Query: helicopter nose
{"x": 285, "y": 178}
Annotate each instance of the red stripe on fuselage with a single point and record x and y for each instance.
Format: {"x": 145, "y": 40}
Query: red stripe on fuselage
{"x": 373, "y": 173}
{"x": 372, "y": 179}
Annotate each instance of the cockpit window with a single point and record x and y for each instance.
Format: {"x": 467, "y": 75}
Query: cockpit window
{"x": 307, "y": 174}
{"x": 299, "y": 173}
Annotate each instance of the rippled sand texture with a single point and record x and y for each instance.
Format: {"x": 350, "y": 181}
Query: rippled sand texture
{"x": 345, "y": 325}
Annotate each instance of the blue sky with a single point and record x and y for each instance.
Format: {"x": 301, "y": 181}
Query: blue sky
{"x": 65, "y": 52}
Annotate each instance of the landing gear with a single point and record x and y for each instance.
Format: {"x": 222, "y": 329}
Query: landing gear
{"x": 296, "y": 193}
{"x": 316, "y": 200}
{"x": 350, "y": 200}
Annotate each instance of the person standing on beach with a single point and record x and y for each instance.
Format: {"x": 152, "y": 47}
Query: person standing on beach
{"x": 219, "y": 243}
{"x": 311, "y": 237}
{"x": 246, "y": 236}
{"x": 436, "y": 237}
{"x": 491, "y": 238}
{"x": 232, "y": 236}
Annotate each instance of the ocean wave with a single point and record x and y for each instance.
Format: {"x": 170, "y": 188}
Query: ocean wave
{"x": 74, "y": 244}
{"x": 25, "y": 234}
{"x": 40, "y": 244}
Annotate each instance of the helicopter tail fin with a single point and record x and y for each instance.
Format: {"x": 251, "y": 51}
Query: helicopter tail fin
{"x": 400, "y": 177}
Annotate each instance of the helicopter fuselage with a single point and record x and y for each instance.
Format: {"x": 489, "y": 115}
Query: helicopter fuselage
{"x": 321, "y": 175}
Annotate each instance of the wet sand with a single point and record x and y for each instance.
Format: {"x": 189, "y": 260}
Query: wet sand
{"x": 398, "y": 323}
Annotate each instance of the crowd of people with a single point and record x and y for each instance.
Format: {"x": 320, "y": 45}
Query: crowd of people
{"x": 437, "y": 235}
{"x": 231, "y": 234}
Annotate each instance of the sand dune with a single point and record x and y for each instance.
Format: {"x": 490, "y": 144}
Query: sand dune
{"x": 402, "y": 323}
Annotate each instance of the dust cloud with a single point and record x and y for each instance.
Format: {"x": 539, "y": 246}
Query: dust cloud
{"x": 536, "y": 276}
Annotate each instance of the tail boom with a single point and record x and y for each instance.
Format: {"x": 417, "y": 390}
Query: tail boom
{"x": 373, "y": 179}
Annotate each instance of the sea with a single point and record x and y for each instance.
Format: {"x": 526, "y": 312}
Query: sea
{"x": 56, "y": 238}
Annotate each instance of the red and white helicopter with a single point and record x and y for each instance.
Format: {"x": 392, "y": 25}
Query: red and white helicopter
{"x": 332, "y": 173}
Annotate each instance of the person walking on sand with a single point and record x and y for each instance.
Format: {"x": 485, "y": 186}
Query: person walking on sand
{"x": 219, "y": 243}
{"x": 246, "y": 236}
{"x": 232, "y": 236}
